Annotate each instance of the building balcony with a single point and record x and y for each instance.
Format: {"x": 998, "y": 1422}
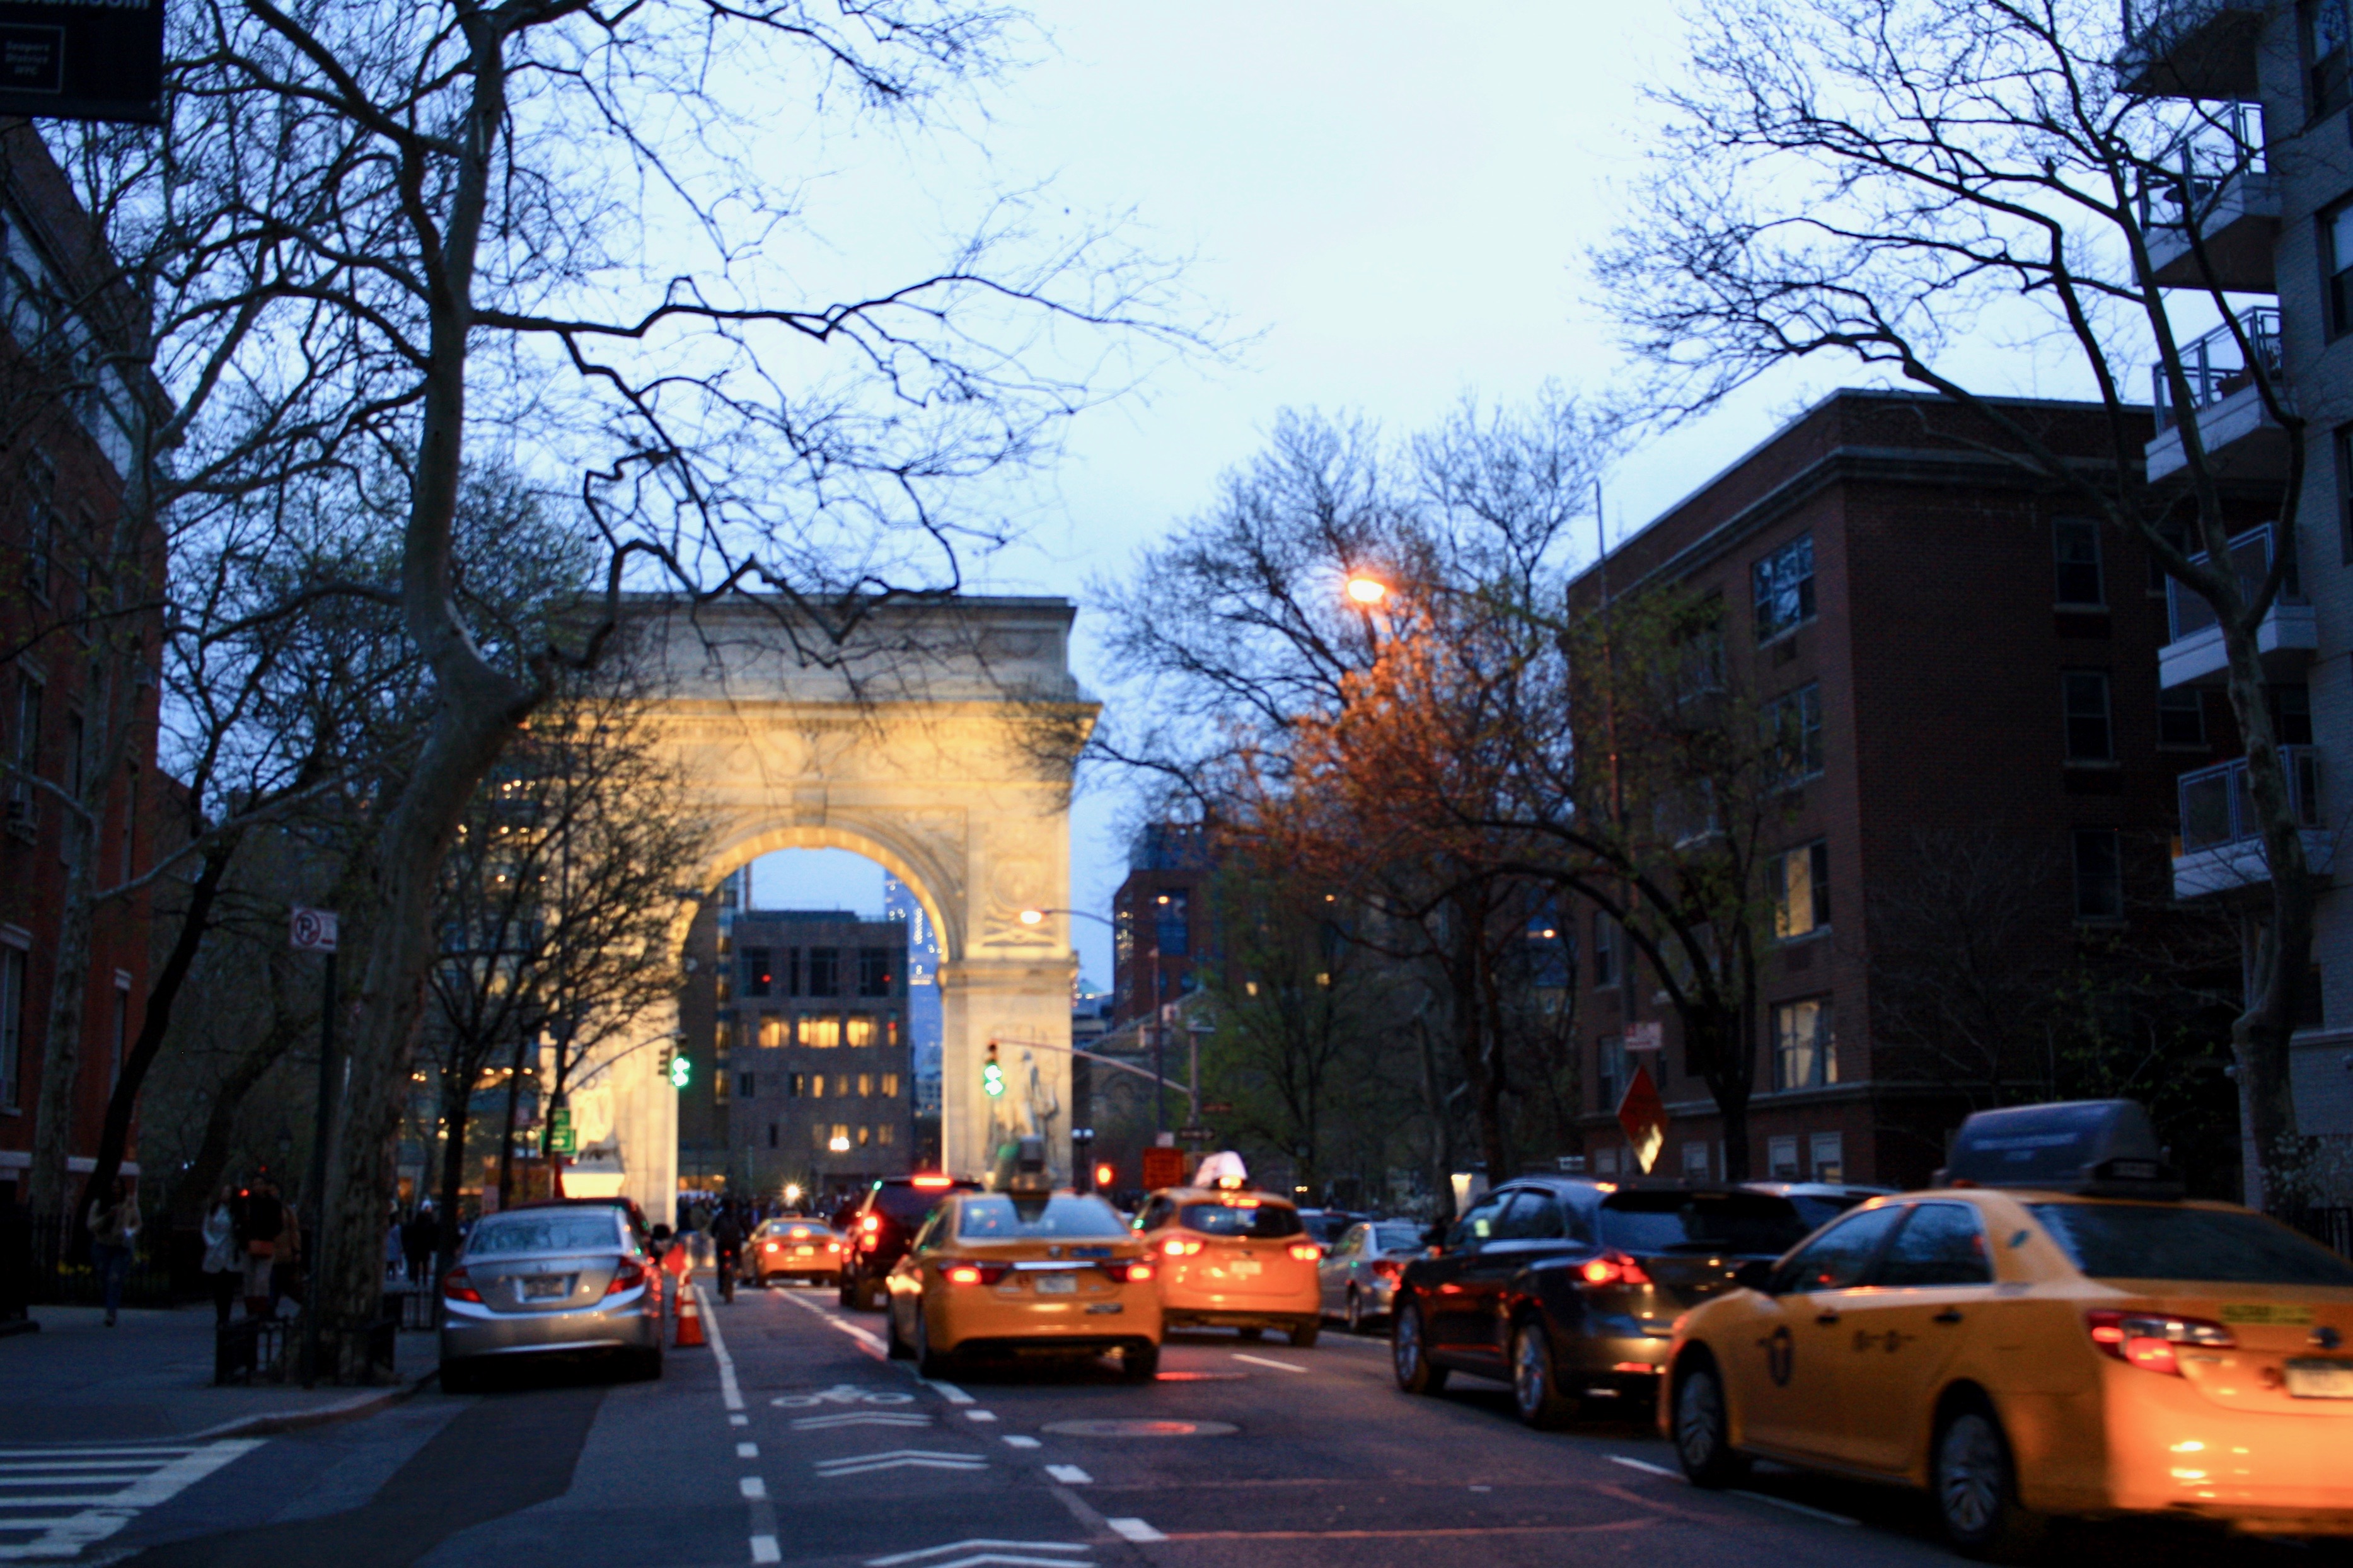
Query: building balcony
{"x": 2215, "y": 181}
{"x": 2189, "y": 48}
{"x": 2241, "y": 437}
{"x": 2222, "y": 845}
{"x": 2287, "y": 639}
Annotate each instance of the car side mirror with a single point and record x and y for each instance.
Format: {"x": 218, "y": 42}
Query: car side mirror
{"x": 1756, "y": 1274}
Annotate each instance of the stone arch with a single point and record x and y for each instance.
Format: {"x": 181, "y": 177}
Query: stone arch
{"x": 875, "y": 842}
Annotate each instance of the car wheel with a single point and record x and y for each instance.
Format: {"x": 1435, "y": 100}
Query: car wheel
{"x": 1302, "y": 1335}
{"x": 1357, "y": 1323}
{"x": 928, "y": 1362}
{"x": 1703, "y": 1430}
{"x": 1977, "y": 1490}
{"x": 1139, "y": 1364}
{"x": 1535, "y": 1390}
{"x": 1408, "y": 1356}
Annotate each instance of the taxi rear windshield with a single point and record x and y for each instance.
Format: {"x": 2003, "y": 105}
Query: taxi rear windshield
{"x": 2155, "y": 1241}
{"x": 1260, "y": 1221}
{"x": 1753, "y": 1222}
{"x": 996, "y": 1219}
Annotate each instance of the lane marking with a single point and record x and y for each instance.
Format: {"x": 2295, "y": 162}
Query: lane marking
{"x": 1644, "y": 1466}
{"x": 1022, "y": 1442}
{"x": 1261, "y": 1361}
{"x": 1135, "y": 1530}
{"x": 982, "y": 1543}
{"x": 1432, "y": 1531}
{"x": 729, "y": 1394}
{"x": 980, "y": 1414}
{"x": 842, "y": 1393}
{"x": 751, "y": 1486}
{"x": 1071, "y": 1474}
{"x": 765, "y": 1550}
{"x": 898, "y": 1459}
{"x": 1822, "y": 1514}
{"x": 143, "y": 1477}
{"x": 947, "y": 1391}
{"x": 747, "y": 1450}
{"x": 862, "y": 1418}
{"x": 739, "y": 1421}
{"x": 870, "y": 1344}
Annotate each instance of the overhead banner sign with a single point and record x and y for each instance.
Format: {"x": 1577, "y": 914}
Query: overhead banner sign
{"x": 82, "y": 59}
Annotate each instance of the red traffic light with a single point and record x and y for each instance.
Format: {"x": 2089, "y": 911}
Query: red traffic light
{"x": 1106, "y": 1175}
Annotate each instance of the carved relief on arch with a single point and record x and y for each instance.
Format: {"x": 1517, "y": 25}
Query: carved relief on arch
{"x": 1017, "y": 880}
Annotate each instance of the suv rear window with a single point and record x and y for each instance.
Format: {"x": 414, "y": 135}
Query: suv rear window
{"x": 909, "y": 1204}
{"x": 1260, "y": 1221}
{"x": 2158, "y": 1241}
{"x": 1753, "y": 1223}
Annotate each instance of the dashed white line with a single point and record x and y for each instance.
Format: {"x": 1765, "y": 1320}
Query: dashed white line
{"x": 1134, "y": 1529}
{"x": 751, "y": 1486}
{"x": 1822, "y": 1514}
{"x": 948, "y": 1391}
{"x": 1019, "y": 1442}
{"x": 765, "y": 1550}
{"x": 1261, "y": 1361}
{"x": 729, "y": 1394}
{"x": 747, "y": 1450}
{"x": 1644, "y": 1466}
{"x": 980, "y": 1414}
{"x": 982, "y": 1544}
{"x": 870, "y": 1342}
{"x": 739, "y": 1421}
{"x": 1069, "y": 1475}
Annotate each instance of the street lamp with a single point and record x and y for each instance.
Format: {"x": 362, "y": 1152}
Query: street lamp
{"x": 1366, "y": 591}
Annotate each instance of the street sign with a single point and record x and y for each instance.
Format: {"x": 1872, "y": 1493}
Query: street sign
{"x": 1216, "y": 1108}
{"x": 1643, "y": 1115}
{"x": 560, "y": 1139}
{"x": 312, "y": 930}
{"x": 1196, "y": 1134}
{"x": 83, "y": 60}
{"x": 1163, "y": 1168}
{"x": 1650, "y": 1037}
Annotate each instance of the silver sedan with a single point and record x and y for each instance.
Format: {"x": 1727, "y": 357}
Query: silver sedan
{"x": 559, "y": 1278}
{"x": 1360, "y": 1273}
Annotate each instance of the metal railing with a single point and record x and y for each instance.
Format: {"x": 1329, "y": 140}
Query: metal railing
{"x": 2217, "y": 807}
{"x": 2187, "y": 611}
{"x": 2216, "y": 366}
{"x": 2226, "y": 142}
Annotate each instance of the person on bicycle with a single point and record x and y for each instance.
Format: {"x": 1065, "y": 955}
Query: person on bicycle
{"x": 727, "y": 1241}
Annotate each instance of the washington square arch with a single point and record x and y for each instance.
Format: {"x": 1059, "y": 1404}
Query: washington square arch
{"x": 936, "y": 738}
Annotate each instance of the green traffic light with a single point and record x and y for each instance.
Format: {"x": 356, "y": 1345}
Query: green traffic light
{"x": 680, "y": 1068}
{"x": 992, "y": 1081}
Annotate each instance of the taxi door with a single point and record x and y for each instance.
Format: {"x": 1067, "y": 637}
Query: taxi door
{"x": 1786, "y": 1370}
{"x": 1930, "y": 1291}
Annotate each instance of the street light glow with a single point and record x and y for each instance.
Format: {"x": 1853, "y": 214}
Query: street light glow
{"x": 840, "y": 1146}
{"x": 1367, "y": 591}
{"x": 1033, "y": 916}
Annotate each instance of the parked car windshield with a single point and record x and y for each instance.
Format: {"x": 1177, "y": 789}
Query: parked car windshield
{"x": 998, "y": 1218}
{"x": 1751, "y": 1222}
{"x": 497, "y": 1235}
{"x": 2160, "y": 1241}
{"x": 1260, "y": 1221}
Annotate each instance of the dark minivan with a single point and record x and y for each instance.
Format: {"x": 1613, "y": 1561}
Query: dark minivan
{"x": 1570, "y": 1289}
{"x": 877, "y": 1231}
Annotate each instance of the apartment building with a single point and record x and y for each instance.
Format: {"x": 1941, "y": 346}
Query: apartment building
{"x": 2270, "y": 178}
{"x": 1962, "y": 667}
{"x": 1161, "y": 920}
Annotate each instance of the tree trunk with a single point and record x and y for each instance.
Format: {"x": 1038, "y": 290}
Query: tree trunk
{"x": 211, "y": 1159}
{"x": 53, "y": 1113}
{"x": 457, "y": 1115}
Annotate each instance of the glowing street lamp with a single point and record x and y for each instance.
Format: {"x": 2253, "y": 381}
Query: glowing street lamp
{"x": 792, "y": 1194}
{"x": 1366, "y": 591}
{"x": 839, "y": 1144}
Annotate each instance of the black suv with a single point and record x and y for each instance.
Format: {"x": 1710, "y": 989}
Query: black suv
{"x": 1568, "y": 1288}
{"x": 880, "y": 1228}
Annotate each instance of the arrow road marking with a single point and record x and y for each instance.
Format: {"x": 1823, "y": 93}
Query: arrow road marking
{"x": 897, "y": 1458}
{"x": 898, "y": 1559}
{"x": 862, "y": 1418}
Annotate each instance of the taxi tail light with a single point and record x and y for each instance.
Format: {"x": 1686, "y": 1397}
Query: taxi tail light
{"x": 770, "y": 1246}
{"x": 1181, "y": 1247}
{"x": 974, "y": 1273}
{"x": 2147, "y": 1340}
{"x": 1612, "y": 1268}
{"x": 456, "y": 1287}
{"x": 1136, "y": 1273}
{"x": 629, "y": 1276}
{"x": 1306, "y": 1251}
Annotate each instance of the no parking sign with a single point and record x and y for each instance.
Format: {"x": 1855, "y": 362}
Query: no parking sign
{"x": 313, "y": 930}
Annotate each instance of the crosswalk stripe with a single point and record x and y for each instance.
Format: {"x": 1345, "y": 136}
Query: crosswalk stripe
{"x": 107, "y": 1488}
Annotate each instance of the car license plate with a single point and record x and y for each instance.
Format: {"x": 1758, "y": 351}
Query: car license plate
{"x": 1245, "y": 1267}
{"x": 803, "y": 1251}
{"x": 1058, "y": 1284}
{"x": 546, "y": 1288}
{"x": 2320, "y": 1379}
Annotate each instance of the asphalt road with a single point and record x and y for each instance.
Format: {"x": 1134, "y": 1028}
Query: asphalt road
{"x": 791, "y": 1439}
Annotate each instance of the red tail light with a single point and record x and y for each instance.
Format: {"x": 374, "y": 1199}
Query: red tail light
{"x": 1388, "y": 1268}
{"x": 974, "y": 1273}
{"x": 1136, "y": 1273}
{"x": 770, "y": 1246}
{"x": 931, "y": 1183}
{"x": 1306, "y": 1251}
{"x": 1180, "y": 1247}
{"x": 871, "y": 1224}
{"x": 2147, "y": 1340}
{"x": 1612, "y": 1268}
{"x": 627, "y": 1276}
{"x": 456, "y": 1287}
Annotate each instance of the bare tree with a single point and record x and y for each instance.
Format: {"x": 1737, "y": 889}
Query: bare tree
{"x": 1898, "y": 182}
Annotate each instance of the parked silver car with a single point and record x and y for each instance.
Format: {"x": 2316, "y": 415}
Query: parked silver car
{"x": 561, "y": 1277}
{"x": 1360, "y": 1271}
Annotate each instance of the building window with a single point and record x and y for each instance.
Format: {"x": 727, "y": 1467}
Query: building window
{"x": 2099, "y": 875}
{"x": 883, "y": 1134}
{"x": 1781, "y": 1159}
{"x": 2181, "y": 718}
{"x": 817, "y": 1085}
{"x": 2091, "y": 730}
{"x": 1604, "y": 950}
{"x": 772, "y": 1031}
{"x": 2325, "y": 36}
{"x": 890, "y": 1086}
{"x": 2336, "y": 243}
{"x": 1827, "y": 1152}
{"x": 759, "y": 972}
{"x": 822, "y": 1030}
{"x": 825, "y": 971}
{"x": 746, "y": 1085}
{"x": 891, "y": 1029}
{"x": 866, "y": 1086}
{"x": 1793, "y": 727}
{"x": 12, "y": 1026}
{"x": 796, "y": 1086}
{"x": 2291, "y": 706}
{"x": 1801, "y": 890}
{"x": 1805, "y": 1044}
{"x": 22, "y": 809}
{"x": 860, "y": 1030}
{"x": 2075, "y": 553}
{"x": 40, "y": 525}
{"x": 772, "y": 1134}
{"x": 1609, "y": 1070}
{"x": 1695, "y": 1159}
{"x": 1698, "y": 657}
{"x": 2342, "y": 442}
{"x": 722, "y": 1084}
{"x": 1784, "y": 583}
{"x": 865, "y": 1136}
{"x": 874, "y": 971}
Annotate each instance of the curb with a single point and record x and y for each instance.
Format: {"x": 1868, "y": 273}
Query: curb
{"x": 274, "y": 1421}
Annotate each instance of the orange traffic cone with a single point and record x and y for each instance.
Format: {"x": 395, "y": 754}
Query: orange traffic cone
{"x": 690, "y": 1319}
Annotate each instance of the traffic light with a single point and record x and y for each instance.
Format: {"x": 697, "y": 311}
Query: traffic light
{"x": 992, "y": 1077}
{"x": 663, "y": 1066}
{"x": 1106, "y": 1175}
{"x": 680, "y": 1069}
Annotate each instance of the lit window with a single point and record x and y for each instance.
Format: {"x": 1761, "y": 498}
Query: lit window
{"x": 890, "y": 1086}
{"x": 865, "y": 1136}
{"x": 883, "y": 1134}
{"x": 1805, "y": 1044}
{"x": 1801, "y": 890}
{"x": 819, "y": 1029}
{"x": 865, "y": 1085}
{"x": 859, "y": 1029}
{"x": 772, "y": 1031}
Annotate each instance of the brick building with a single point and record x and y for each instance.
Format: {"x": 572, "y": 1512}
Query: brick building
{"x": 1954, "y": 653}
{"x": 65, "y": 458}
{"x": 1161, "y": 920}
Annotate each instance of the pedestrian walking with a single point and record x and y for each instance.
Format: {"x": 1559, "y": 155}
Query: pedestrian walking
{"x": 224, "y": 1269}
{"x": 113, "y": 1229}
{"x": 395, "y": 1256}
{"x": 419, "y": 1238}
{"x": 265, "y": 1216}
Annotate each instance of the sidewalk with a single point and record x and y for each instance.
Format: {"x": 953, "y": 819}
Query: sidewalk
{"x": 151, "y": 1378}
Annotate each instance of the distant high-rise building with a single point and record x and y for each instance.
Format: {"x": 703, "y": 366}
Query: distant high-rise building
{"x": 923, "y": 1026}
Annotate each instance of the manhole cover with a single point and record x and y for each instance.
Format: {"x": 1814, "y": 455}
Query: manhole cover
{"x": 1140, "y": 1428}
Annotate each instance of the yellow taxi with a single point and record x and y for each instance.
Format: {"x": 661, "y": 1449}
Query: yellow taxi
{"x": 793, "y": 1248}
{"x": 2054, "y": 1331}
{"x": 1231, "y": 1258}
{"x": 1013, "y": 1274}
